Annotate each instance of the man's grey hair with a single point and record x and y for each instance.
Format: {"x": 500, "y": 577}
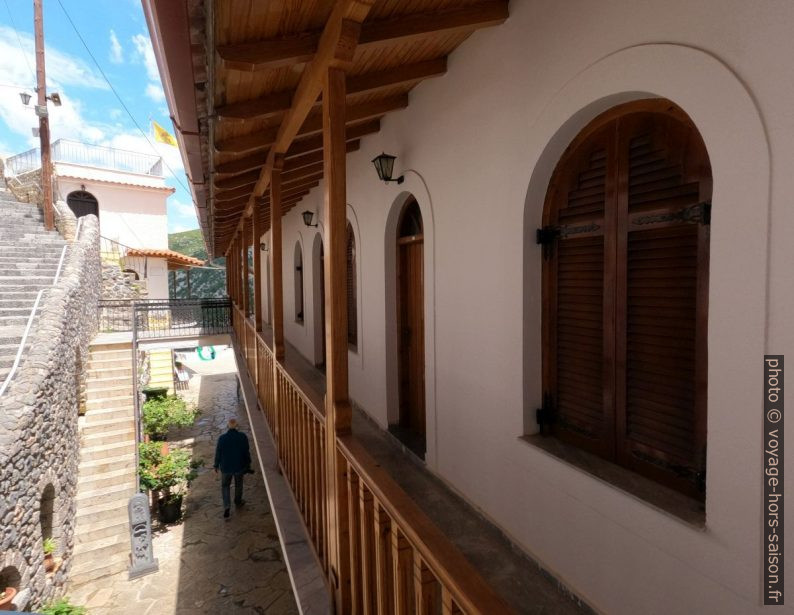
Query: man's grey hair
{"x": 232, "y": 423}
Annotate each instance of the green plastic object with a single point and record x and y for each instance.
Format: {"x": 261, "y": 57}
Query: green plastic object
{"x": 206, "y": 353}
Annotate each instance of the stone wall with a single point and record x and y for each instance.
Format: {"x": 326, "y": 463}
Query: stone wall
{"x": 121, "y": 285}
{"x": 39, "y": 440}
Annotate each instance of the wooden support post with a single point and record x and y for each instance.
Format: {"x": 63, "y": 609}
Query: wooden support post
{"x": 246, "y": 271}
{"x": 276, "y": 272}
{"x": 257, "y": 238}
{"x": 337, "y": 404}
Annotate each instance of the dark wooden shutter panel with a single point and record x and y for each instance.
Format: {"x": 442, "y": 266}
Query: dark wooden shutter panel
{"x": 578, "y": 310}
{"x": 665, "y": 245}
{"x": 352, "y": 316}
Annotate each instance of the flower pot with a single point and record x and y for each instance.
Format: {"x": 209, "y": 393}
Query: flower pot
{"x": 170, "y": 511}
{"x": 49, "y": 563}
{"x": 5, "y": 601}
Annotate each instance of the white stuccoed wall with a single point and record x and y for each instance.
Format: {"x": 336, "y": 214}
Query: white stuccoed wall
{"x": 485, "y": 138}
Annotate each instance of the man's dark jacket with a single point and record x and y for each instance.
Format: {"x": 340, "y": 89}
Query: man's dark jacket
{"x": 232, "y": 455}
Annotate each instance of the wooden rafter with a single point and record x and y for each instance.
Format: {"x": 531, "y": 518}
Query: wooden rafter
{"x": 305, "y": 47}
{"x": 280, "y": 102}
{"x": 312, "y": 125}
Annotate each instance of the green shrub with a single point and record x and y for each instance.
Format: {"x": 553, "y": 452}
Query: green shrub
{"x": 159, "y": 415}
{"x": 170, "y": 474}
{"x": 49, "y": 546}
{"x": 63, "y": 607}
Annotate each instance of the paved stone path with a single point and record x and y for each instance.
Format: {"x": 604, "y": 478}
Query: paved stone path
{"x": 207, "y": 564}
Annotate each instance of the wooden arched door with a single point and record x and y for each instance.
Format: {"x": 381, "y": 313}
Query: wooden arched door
{"x": 82, "y": 203}
{"x": 411, "y": 326}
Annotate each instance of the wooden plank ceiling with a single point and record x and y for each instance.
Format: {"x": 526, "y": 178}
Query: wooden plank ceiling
{"x": 262, "y": 51}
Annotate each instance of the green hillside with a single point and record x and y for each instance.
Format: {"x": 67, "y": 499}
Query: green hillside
{"x": 203, "y": 282}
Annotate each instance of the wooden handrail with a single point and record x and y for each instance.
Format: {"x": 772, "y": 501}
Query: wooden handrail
{"x": 452, "y": 570}
{"x": 426, "y": 568}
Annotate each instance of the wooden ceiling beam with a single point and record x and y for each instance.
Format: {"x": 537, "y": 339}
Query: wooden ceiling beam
{"x": 335, "y": 48}
{"x": 305, "y": 47}
{"x": 367, "y": 83}
{"x": 290, "y": 164}
{"x": 243, "y": 179}
{"x": 312, "y": 124}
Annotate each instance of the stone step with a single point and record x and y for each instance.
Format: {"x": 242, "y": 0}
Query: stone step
{"x": 85, "y": 573}
{"x": 99, "y": 466}
{"x": 108, "y": 392}
{"x": 95, "y": 373}
{"x": 21, "y": 290}
{"x": 16, "y": 321}
{"x": 32, "y": 259}
{"x": 111, "y": 493}
{"x": 47, "y": 271}
{"x": 11, "y": 335}
{"x": 109, "y": 436}
{"x": 15, "y": 311}
{"x": 93, "y": 425}
{"x": 105, "y": 348}
{"x": 100, "y": 548}
{"x": 88, "y": 530}
{"x": 6, "y": 303}
{"x": 95, "y": 365}
{"x": 31, "y": 251}
{"x": 115, "y": 408}
{"x": 99, "y": 380}
{"x": 106, "y": 451}
{"x": 33, "y": 280}
{"x": 99, "y": 480}
{"x": 103, "y": 354}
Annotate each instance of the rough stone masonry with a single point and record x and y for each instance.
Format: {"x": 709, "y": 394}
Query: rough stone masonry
{"x": 39, "y": 440}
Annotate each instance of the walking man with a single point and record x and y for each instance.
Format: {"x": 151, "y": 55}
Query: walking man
{"x": 233, "y": 458}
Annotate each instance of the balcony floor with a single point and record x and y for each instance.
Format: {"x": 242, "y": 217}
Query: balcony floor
{"x": 517, "y": 578}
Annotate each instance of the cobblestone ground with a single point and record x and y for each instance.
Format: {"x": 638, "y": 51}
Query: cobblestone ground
{"x": 207, "y": 564}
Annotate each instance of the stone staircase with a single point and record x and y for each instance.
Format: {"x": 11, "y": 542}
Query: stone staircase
{"x": 106, "y": 477}
{"x": 29, "y": 258}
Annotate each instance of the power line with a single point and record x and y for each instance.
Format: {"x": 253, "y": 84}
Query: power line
{"x": 121, "y": 102}
{"x": 19, "y": 40}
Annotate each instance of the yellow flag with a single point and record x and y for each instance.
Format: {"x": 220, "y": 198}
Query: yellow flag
{"x": 162, "y": 135}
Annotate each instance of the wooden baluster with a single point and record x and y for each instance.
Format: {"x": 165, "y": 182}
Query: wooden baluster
{"x": 383, "y": 574}
{"x": 448, "y": 605}
{"x": 402, "y": 560}
{"x": 367, "y": 526}
{"x": 425, "y": 587}
{"x": 354, "y": 524}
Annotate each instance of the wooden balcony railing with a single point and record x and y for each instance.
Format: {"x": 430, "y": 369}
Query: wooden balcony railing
{"x": 397, "y": 561}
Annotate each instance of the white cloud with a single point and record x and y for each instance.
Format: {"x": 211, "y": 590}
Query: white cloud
{"x": 155, "y": 92}
{"x": 145, "y": 53}
{"x": 181, "y": 209}
{"x": 116, "y": 53}
{"x": 65, "y": 74}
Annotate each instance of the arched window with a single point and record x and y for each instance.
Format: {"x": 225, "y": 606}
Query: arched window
{"x": 625, "y": 293}
{"x": 298, "y": 283}
{"x": 82, "y": 203}
{"x": 352, "y": 314}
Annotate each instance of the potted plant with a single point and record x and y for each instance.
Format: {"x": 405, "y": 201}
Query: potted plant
{"x": 49, "y": 549}
{"x": 162, "y": 413}
{"x": 6, "y": 596}
{"x": 169, "y": 475}
{"x": 63, "y": 607}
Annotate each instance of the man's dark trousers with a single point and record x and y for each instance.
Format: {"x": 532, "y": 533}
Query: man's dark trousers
{"x": 226, "y": 483}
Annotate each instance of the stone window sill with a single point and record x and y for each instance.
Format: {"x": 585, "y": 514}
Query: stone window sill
{"x": 666, "y": 500}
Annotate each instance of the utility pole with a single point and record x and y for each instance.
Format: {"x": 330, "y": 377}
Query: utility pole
{"x": 43, "y": 113}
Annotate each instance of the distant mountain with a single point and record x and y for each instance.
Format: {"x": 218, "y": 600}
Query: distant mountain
{"x": 203, "y": 282}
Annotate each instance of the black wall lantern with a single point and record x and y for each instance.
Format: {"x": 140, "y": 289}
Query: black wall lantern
{"x": 307, "y": 218}
{"x": 384, "y": 165}
{"x": 263, "y": 246}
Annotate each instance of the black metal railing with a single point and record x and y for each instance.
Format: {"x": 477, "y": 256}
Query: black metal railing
{"x": 181, "y": 317}
{"x": 115, "y": 315}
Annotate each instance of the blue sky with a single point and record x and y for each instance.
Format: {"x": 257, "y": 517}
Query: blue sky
{"x": 116, "y": 34}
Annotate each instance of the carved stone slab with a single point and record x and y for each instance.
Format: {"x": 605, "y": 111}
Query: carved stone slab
{"x": 142, "y": 556}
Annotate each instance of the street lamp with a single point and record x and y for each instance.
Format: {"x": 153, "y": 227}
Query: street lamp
{"x": 384, "y": 165}
{"x": 25, "y": 98}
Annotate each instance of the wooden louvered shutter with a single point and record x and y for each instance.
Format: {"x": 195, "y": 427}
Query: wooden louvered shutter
{"x": 352, "y": 316}
{"x": 574, "y": 360}
{"x": 662, "y": 298}
{"x": 626, "y": 238}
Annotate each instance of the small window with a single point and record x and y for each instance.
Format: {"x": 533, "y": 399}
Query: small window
{"x": 625, "y": 294}
{"x": 352, "y": 314}
{"x": 298, "y": 283}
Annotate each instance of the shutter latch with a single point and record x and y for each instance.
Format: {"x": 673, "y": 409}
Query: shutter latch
{"x": 546, "y": 416}
{"x": 546, "y": 237}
